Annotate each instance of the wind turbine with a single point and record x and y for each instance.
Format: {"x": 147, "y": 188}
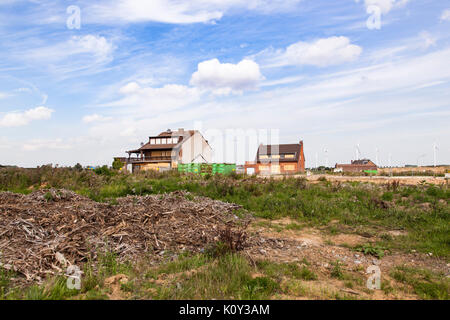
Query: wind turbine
{"x": 377, "y": 152}
{"x": 326, "y": 157}
{"x": 435, "y": 149}
{"x": 358, "y": 151}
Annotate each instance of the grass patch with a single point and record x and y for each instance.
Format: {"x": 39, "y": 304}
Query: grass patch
{"x": 289, "y": 270}
{"x": 424, "y": 283}
{"x": 229, "y": 277}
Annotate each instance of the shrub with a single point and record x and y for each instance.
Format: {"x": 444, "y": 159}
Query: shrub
{"x": 104, "y": 170}
{"x": 387, "y": 196}
{"x": 117, "y": 164}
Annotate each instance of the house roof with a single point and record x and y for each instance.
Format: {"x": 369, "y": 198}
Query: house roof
{"x": 358, "y": 163}
{"x": 183, "y": 134}
{"x": 169, "y": 133}
{"x": 362, "y": 161}
{"x": 280, "y": 149}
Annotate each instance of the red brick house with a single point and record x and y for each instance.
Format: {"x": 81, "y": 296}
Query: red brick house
{"x": 357, "y": 166}
{"x": 277, "y": 159}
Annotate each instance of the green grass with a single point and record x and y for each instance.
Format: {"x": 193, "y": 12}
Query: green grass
{"x": 424, "y": 283}
{"x": 290, "y": 270}
{"x": 228, "y": 278}
{"x": 184, "y": 262}
{"x": 5, "y": 282}
{"x": 337, "y": 272}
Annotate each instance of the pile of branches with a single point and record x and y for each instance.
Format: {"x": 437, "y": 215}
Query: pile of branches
{"x": 44, "y": 232}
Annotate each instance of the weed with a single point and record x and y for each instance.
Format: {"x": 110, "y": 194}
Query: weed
{"x": 48, "y": 196}
{"x": 388, "y": 196}
{"x": 260, "y": 287}
{"x": 371, "y": 249}
{"x": 336, "y": 272}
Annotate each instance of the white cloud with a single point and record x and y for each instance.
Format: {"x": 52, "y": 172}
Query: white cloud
{"x": 321, "y": 52}
{"x": 175, "y": 11}
{"x": 139, "y": 98}
{"x": 428, "y": 39}
{"x": 225, "y": 78}
{"x": 27, "y": 90}
{"x": 16, "y": 119}
{"x": 445, "y": 16}
{"x": 96, "y": 45}
{"x": 93, "y": 46}
{"x": 4, "y": 95}
{"x": 95, "y": 118}
{"x": 38, "y": 144}
{"x": 73, "y": 56}
{"x": 131, "y": 87}
{"x": 399, "y": 76}
{"x": 385, "y": 5}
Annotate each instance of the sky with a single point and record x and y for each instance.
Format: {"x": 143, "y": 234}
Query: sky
{"x": 85, "y": 81}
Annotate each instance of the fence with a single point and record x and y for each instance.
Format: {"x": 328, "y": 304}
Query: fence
{"x": 204, "y": 169}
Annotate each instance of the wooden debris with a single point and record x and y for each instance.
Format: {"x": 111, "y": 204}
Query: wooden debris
{"x": 39, "y": 236}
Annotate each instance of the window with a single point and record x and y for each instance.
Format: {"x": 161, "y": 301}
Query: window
{"x": 152, "y": 141}
{"x": 275, "y": 169}
{"x": 275, "y": 156}
{"x": 264, "y": 168}
{"x": 289, "y": 167}
{"x": 163, "y": 141}
{"x": 289, "y": 156}
{"x": 264, "y": 156}
{"x": 158, "y": 141}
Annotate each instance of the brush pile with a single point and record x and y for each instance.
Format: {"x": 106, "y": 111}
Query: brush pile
{"x": 44, "y": 232}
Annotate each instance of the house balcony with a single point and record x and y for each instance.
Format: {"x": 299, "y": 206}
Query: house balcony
{"x": 149, "y": 159}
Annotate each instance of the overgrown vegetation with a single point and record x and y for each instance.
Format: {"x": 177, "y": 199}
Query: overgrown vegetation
{"x": 422, "y": 211}
{"x": 424, "y": 283}
{"x": 419, "y": 214}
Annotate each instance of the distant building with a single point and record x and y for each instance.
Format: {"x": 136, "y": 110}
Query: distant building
{"x": 166, "y": 150}
{"x": 357, "y": 166}
{"x": 277, "y": 159}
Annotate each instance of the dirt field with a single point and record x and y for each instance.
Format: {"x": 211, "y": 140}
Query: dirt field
{"x": 321, "y": 249}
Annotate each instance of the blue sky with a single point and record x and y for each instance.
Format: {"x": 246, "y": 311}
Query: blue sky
{"x": 309, "y": 69}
